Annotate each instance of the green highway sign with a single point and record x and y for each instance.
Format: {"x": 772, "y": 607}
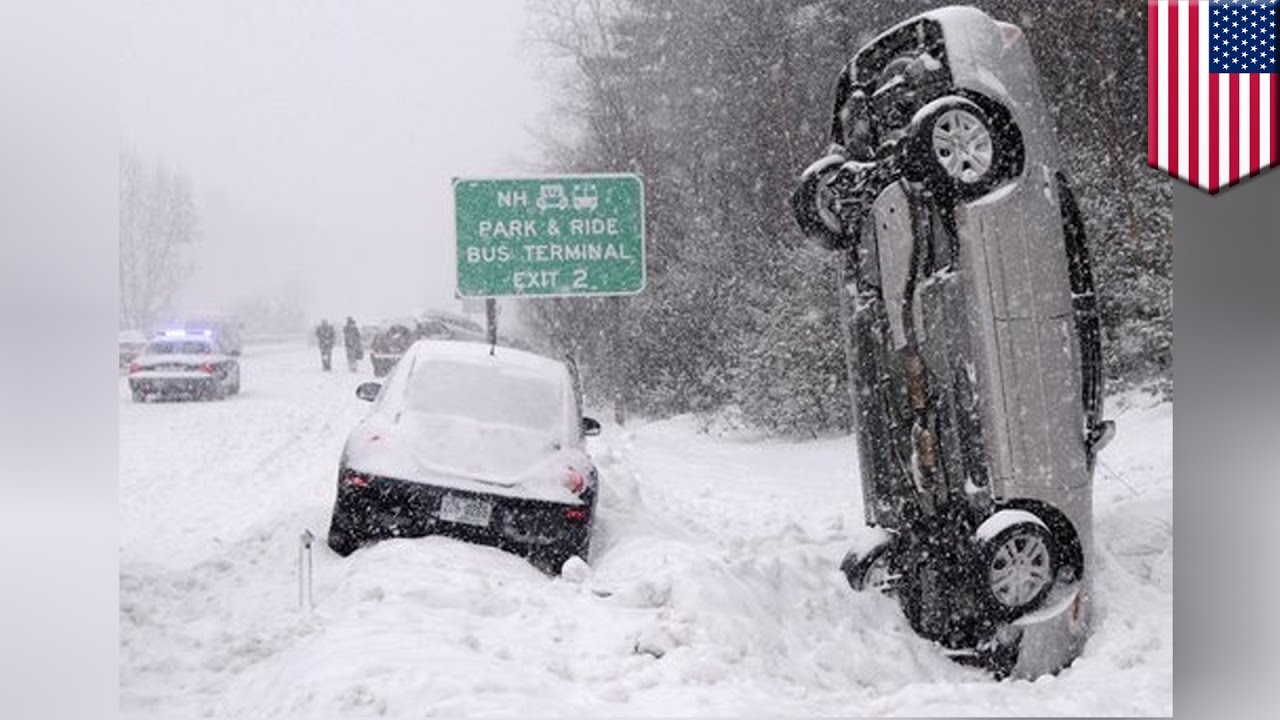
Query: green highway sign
{"x": 550, "y": 236}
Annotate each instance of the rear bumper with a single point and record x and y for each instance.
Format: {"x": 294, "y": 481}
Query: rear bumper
{"x": 1042, "y": 642}
{"x": 1053, "y": 636}
{"x": 387, "y": 507}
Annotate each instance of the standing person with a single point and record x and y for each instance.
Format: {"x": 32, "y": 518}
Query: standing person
{"x": 351, "y": 338}
{"x": 326, "y": 336}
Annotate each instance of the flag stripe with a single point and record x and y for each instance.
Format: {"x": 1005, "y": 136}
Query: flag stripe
{"x": 1174, "y": 117}
{"x": 1233, "y": 129}
{"x": 1266, "y": 112}
{"x": 1193, "y": 93}
{"x": 1153, "y": 84}
{"x": 1203, "y": 152}
{"x": 1275, "y": 106}
{"x": 1215, "y": 113}
{"x": 1242, "y": 157}
{"x": 1162, "y": 91}
{"x": 1255, "y": 120}
{"x": 1185, "y": 68}
{"x": 1224, "y": 131}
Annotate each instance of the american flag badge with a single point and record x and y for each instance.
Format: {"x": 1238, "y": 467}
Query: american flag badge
{"x": 1211, "y": 89}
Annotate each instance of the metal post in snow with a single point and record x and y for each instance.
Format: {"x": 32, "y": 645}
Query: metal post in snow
{"x": 491, "y": 320}
{"x": 304, "y": 571}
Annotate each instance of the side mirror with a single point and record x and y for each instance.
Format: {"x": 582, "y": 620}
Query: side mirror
{"x": 590, "y": 426}
{"x": 368, "y": 391}
{"x": 1101, "y": 435}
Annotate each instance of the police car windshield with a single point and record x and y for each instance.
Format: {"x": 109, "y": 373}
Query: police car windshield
{"x": 180, "y": 347}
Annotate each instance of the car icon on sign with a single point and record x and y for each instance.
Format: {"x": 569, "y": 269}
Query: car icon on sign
{"x": 552, "y": 196}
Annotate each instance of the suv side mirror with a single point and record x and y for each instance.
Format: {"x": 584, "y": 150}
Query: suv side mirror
{"x": 590, "y": 426}
{"x": 368, "y": 391}
{"x": 1101, "y": 435}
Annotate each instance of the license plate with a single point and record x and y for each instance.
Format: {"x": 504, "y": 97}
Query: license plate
{"x": 465, "y": 510}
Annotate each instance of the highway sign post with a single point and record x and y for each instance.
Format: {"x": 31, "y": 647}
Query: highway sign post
{"x": 579, "y": 235}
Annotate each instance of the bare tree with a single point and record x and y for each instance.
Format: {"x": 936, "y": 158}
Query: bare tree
{"x": 158, "y": 223}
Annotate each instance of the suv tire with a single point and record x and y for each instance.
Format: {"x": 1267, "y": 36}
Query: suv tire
{"x": 956, "y": 147}
{"x": 873, "y": 571}
{"x": 1016, "y": 566}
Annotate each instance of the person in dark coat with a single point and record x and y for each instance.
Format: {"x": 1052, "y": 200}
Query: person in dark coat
{"x": 326, "y": 336}
{"x": 351, "y": 338}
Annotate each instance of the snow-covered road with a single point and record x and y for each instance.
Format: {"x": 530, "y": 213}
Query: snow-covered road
{"x": 713, "y": 590}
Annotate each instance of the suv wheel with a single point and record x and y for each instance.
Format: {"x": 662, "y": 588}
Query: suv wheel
{"x": 873, "y": 571}
{"x": 1017, "y": 564}
{"x": 962, "y": 145}
{"x": 957, "y": 147}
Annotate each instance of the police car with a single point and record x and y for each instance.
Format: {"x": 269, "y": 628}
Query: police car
{"x": 178, "y": 363}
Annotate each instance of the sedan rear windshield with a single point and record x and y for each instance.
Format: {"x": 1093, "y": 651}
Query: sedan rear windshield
{"x": 179, "y": 347}
{"x": 486, "y": 394}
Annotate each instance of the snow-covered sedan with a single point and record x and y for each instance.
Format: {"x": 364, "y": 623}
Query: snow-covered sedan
{"x": 484, "y": 444}
{"x": 179, "y": 364}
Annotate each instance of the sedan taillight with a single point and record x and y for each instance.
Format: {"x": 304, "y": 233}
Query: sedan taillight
{"x": 135, "y": 368}
{"x": 575, "y": 481}
{"x": 207, "y": 369}
{"x": 354, "y": 479}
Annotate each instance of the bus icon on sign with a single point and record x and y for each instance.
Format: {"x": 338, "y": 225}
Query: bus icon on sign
{"x": 552, "y": 196}
{"x": 585, "y": 197}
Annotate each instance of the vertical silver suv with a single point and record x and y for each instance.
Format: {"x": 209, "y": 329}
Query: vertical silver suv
{"x": 974, "y": 339}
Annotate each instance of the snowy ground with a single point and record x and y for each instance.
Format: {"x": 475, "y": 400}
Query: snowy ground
{"x": 713, "y": 590}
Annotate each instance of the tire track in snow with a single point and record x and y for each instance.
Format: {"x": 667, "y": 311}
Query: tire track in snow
{"x": 214, "y": 496}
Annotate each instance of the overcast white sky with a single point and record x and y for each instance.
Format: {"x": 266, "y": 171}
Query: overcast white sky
{"x": 321, "y": 136}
